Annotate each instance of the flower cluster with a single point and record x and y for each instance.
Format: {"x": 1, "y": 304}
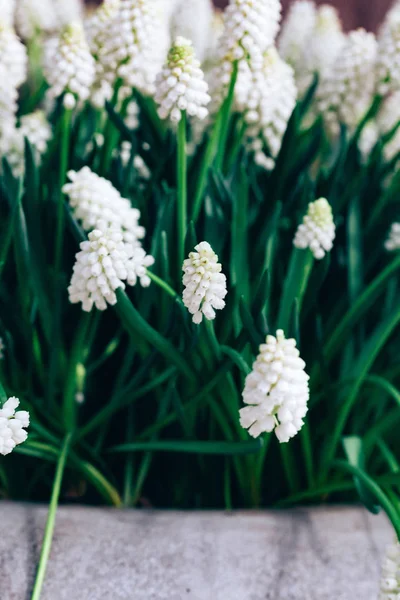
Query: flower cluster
{"x": 180, "y": 86}
{"x": 7, "y": 11}
{"x": 388, "y": 63}
{"x": 35, "y": 17}
{"x": 69, "y": 67}
{"x": 192, "y": 19}
{"x": 317, "y": 232}
{"x": 390, "y": 578}
{"x": 12, "y": 426}
{"x": 94, "y": 199}
{"x": 205, "y": 284}
{"x": 393, "y": 241}
{"x": 276, "y": 390}
{"x": 346, "y": 92}
{"x": 250, "y": 28}
{"x": 135, "y": 45}
{"x": 270, "y": 105}
{"x": 297, "y": 32}
{"x": 13, "y": 56}
{"x": 102, "y": 266}
{"x": 97, "y": 28}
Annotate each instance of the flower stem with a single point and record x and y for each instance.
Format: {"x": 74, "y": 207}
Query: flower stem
{"x": 163, "y": 285}
{"x": 182, "y": 190}
{"x": 225, "y": 118}
{"x": 65, "y": 140}
{"x": 48, "y": 534}
{"x": 220, "y": 132}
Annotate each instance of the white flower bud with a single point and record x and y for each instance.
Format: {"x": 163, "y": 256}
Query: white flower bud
{"x": 205, "y": 284}
{"x": 94, "y": 198}
{"x": 276, "y": 390}
{"x": 69, "y": 67}
{"x": 12, "y": 426}
{"x": 180, "y": 86}
{"x": 102, "y": 266}
{"x": 13, "y": 55}
{"x": 317, "y": 232}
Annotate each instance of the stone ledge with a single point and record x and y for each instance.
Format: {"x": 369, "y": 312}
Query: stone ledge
{"x": 106, "y": 554}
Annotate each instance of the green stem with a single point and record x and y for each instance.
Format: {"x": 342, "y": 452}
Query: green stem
{"x": 300, "y": 266}
{"x": 225, "y": 118}
{"x": 48, "y": 534}
{"x": 110, "y": 133}
{"x": 65, "y": 140}
{"x": 163, "y": 285}
{"x": 78, "y": 349}
{"x": 212, "y": 146}
{"x": 182, "y": 190}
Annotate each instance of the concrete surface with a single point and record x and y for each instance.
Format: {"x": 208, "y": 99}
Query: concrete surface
{"x": 105, "y": 554}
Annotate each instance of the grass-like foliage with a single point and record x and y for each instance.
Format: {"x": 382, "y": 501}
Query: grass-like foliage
{"x": 141, "y": 405}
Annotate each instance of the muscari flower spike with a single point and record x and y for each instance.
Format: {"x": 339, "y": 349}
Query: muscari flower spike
{"x": 103, "y": 265}
{"x": 317, "y": 231}
{"x": 69, "y": 66}
{"x": 276, "y": 390}
{"x": 13, "y": 426}
{"x": 393, "y": 241}
{"x": 13, "y": 55}
{"x": 204, "y": 283}
{"x": 181, "y": 86}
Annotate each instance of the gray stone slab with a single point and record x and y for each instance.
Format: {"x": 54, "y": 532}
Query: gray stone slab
{"x": 105, "y": 554}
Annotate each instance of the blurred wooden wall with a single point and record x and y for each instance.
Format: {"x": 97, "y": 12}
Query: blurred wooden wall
{"x": 354, "y": 13}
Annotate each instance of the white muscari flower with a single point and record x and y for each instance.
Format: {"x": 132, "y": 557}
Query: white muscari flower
{"x": 36, "y": 128}
{"x": 296, "y": 32}
{"x": 192, "y": 19}
{"x": 12, "y": 426}
{"x": 250, "y": 28}
{"x": 205, "y": 284}
{"x": 34, "y": 17}
{"x": 69, "y": 67}
{"x": 15, "y": 152}
{"x": 270, "y": 105}
{"x": 68, "y": 11}
{"x": 180, "y": 86}
{"x": 346, "y": 93}
{"x": 388, "y": 60}
{"x": 136, "y": 45}
{"x": 317, "y": 231}
{"x": 276, "y": 390}
{"x": 97, "y": 29}
{"x": 393, "y": 241}
{"x": 94, "y": 198}
{"x": 13, "y": 55}
{"x": 8, "y": 108}
{"x": 323, "y": 47}
{"x": 103, "y": 265}
{"x": 7, "y": 10}
{"x": 390, "y": 576}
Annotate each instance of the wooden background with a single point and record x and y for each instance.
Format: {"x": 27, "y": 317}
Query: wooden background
{"x": 354, "y": 13}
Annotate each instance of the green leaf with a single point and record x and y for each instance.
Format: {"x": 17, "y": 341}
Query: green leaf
{"x": 193, "y": 447}
{"x": 353, "y": 447}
